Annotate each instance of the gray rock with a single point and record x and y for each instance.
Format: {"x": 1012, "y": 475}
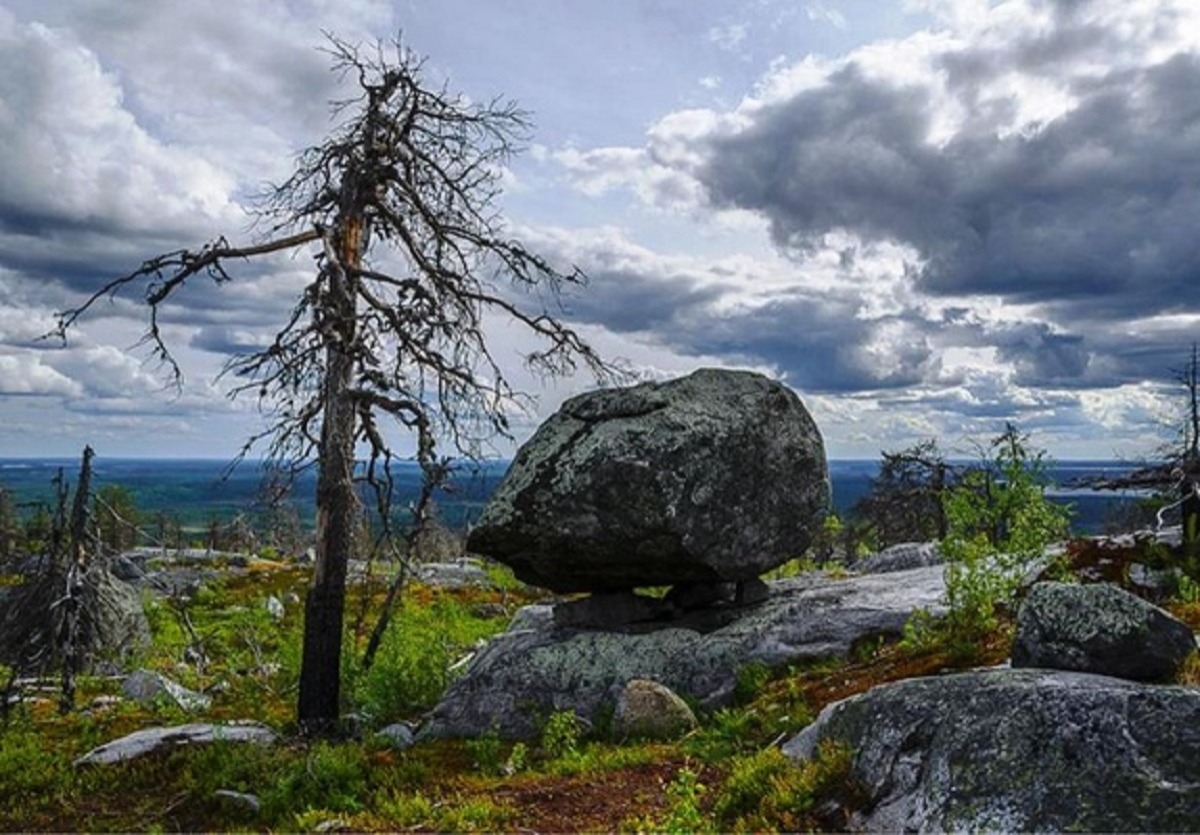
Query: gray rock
{"x": 537, "y": 668}
{"x": 150, "y": 688}
{"x": 112, "y": 624}
{"x": 140, "y": 743}
{"x": 718, "y": 476}
{"x": 398, "y": 736}
{"x": 1019, "y": 750}
{"x": 275, "y": 607}
{"x": 648, "y": 710}
{"x": 239, "y": 800}
{"x": 1099, "y": 628}
{"x": 900, "y": 557}
{"x": 124, "y": 568}
{"x": 460, "y": 574}
{"x": 534, "y": 616}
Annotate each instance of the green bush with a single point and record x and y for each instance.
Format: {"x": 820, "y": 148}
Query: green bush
{"x": 561, "y": 734}
{"x": 999, "y": 524}
{"x": 766, "y": 791}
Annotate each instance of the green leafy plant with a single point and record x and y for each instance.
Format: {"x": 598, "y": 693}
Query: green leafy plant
{"x": 561, "y": 734}
{"x": 488, "y": 752}
{"x": 999, "y": 524}
{"x": 750, "y": 679}
{"x": 766, "y": 791}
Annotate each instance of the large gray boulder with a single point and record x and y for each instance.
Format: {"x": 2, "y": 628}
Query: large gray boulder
{"x": 539, "y": 667}
{"x": 1099, "y": 628}
{"x": 1018, "y": 751}
{"x": 717, "y": 476}
{"x": 112, "y": 625}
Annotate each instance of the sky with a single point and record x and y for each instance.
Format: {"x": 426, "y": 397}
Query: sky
{"x": 928, "y": 217}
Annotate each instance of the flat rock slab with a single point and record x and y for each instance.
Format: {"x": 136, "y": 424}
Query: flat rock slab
{"x": 149, "y": 740}
{"x": 1018, "y": 751}
{"x": 538, "y": 667}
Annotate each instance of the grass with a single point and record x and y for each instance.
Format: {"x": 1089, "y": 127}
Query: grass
{"x": 727, "y": 775}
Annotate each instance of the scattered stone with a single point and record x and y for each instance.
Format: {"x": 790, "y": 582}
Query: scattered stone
{"x": 240, "y": 801}
{"x": 648, "y": 710}
{"x": 104, "y": 702}
{"x": 398, "y": 736}
{"x": 150, "y": 688}
{"x": 534, "y": 616}
{"x": 291, "y": 599}
{"x": 1099, "y": 628}
{"x": 717, "y": 476}
{"x": 464, "y": 573}
{"x": 900, "y": 557}
{"x": 538, "y": 667}
{"x": 1019, "y": 751}
{"x": 140, "y": 743}
{"x": 275, "y": 607}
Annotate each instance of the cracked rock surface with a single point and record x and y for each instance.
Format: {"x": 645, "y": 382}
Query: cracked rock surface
{"x": 714, "y": 477}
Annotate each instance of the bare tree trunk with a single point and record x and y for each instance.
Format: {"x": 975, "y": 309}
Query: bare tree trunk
{"x": 325, "y": 605}
{"x": 1190, "y": 465}
{"x": 69, "y": 637}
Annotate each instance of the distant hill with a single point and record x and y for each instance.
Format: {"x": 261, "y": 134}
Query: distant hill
{"x": 195, "y": 491}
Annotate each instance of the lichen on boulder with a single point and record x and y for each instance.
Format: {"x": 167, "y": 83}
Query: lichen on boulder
{"x": 1099, "y": 628}
{"x": 1019, "y": 751}
{"x": 715, "y": 477}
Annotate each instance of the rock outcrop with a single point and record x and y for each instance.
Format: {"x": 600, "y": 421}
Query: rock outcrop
{"x": 715, "y": 477}
{"x": 539, "y": 667}
{"x": 1099, "y": 628}
{"x": 112, "y": 624}
{"x": 1019, "y": 750}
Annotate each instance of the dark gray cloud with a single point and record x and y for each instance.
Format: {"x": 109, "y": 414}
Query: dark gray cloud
{"x": 816, "y": 339}
{"x": 1092, "y": 214}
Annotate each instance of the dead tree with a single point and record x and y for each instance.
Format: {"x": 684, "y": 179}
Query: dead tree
{"x": 72, "y": 599}
{"x": 397, "y": 207}
{"x": 1177, "y": 476}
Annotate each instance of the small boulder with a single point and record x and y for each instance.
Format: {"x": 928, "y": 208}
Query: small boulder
{"x": 718, "y": 476}
{"x": 240, "y": 801}
{"x": 1099, "y": 628}
{"x": 459, "y": 574}
{"x": 397, "y": 735}
{"x": 275, "y": 607}
{"x": 149, "y": 688}
{"x": 649, "y": 710}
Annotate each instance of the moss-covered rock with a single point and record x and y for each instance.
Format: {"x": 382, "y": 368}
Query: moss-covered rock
{"x": 1020, "y": 750}
{"x": 539, "y": 667}
{"x": 1099, "y": 628}
{"x": 717, "y": 476}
